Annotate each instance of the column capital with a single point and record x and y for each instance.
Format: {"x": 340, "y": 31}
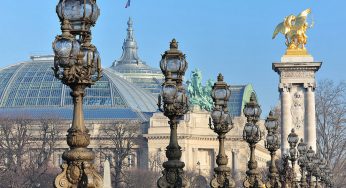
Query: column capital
{"x": 310, "y": 86}
{"x": 285, "y": 87}
{"x": 235, "y": 150}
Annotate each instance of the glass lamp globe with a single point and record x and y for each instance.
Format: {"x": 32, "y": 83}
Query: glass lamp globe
{"x": 293, "y": 152}
{"x": 65, "y": 49}
{"x": 302, "y": 160}
{"x": 322, "y": 164}
{"x": 247, "y": 130}
{"x": 91, "y": 57}
{"x": 293, "y": 138}
{"x": 252, "y": 130}
{"x": 271, "y": 122}
{"x": 270, "y": 139}
{"x": 310, "y": 153}
{"x": 173, "y": 61}
{"x": 216, "y": 115}
{"x": 180, "y": 96}
{"x": 252, "y": 109}
{"x": 81, "y": 13}
{"x": 169, "y": 91}
{"x": 221, "y": 91}
{"x": 227, "y": 120}
{"x": 316, "y": 160}
{"x": 302, "y": 147}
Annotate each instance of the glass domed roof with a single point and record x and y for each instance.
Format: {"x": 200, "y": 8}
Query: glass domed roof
{"x": 30, "y": 86}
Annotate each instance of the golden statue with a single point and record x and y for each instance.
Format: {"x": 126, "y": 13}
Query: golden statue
{"x": 294, "y": 29}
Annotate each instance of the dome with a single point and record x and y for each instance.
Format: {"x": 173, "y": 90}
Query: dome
{"x": 133, "y": 69}
{"x": 31, "y": 88}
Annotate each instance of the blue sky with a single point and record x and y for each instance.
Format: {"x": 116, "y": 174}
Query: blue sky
{"x": 231, "y": 37}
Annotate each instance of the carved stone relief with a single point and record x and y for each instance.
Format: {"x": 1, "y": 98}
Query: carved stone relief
{"x": 297, "y": 110}
{"x": 297, "y": 74}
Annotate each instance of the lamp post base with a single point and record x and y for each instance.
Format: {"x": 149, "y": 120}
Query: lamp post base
{"x": 221, "y": 178}
{"x": 173, "y": 175}
{"x": 78, "y": 175}
{"x": 252, "y": 182}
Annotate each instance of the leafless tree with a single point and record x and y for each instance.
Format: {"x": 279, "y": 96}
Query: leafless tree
{"x": 139, "y": 178}
{"x": 26, "y": 146}
{"x": 123, "y": 137}
{"x": 331, "y": 127}
{"x": 155, "y": 161}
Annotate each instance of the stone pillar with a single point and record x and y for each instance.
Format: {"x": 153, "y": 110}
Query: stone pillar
{"x": 297, "y": 72}
{"x": 235, "y": 168}
{"x": 194, "y": 157}
{"x": 286, "y": 118}
{"x": 107, "y": 175}
{"x": 310, "y": 114}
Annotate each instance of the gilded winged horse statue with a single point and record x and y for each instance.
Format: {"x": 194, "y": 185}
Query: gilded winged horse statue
{"x": 294, "y": 29}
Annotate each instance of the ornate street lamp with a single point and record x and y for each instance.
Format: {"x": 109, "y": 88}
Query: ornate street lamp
{"x": 252, "y": 135}
{"x": 272, "y": 144}
{"x": 328, "y": 177}
{"x": 221, "y": 123}
{"x": 310, "y": 165}
{"x": 316, "y": 170}
{"x": 322, "y": 167}
{"x": 77, "y": 64}
{"x": 293, "y": 140}
{"x": 302, "y": 160}
{"x": 175, "y": 105}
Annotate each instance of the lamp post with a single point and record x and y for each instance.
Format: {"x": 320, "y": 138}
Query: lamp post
{"x": 293, "y": 140}
{"x": 272, "y": 144}
{"x": 252, "y": 135}
{"x": 175, "y": 105}
{"x": 322, "y": 167}
{"x": 77, "y": 65}
{"x": 316, "y": 169}
{"x": 310, "y": 165}
{"x": 221, "y": 123}
{"x": 328, "y": 174}
{"x": 302, "y": 149}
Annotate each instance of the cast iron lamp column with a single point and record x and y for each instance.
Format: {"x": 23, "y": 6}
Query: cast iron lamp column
{"x": 77, "y": 65}
{"x": 252, "y": 135}
{"x": 221, "y": 124}
{"x": 322, "y": 167}
{"x": 316, "y": 169}
{"x": 302, "y": 148}
{"x": 310, "y": 165}
{"x": 328, "y": 177}
{"x": 293, "y": 140}
{"x": 272, "y": 144}
{"x": 175, "y": 104}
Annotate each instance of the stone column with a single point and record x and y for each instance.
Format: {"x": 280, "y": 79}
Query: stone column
{"x": 286, "y": 118}
{"x": 107, "y": 175}
{"x": 310, "y": 116}
{"x": 235, "y": 162}
{"x": 194, "y": 159}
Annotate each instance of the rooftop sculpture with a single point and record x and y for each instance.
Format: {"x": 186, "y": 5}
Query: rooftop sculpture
{"x": 294, "y": 28}
{"x": 199, "y": 95}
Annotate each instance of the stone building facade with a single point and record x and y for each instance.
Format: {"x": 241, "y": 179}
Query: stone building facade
{"x": 200, "y": 144}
